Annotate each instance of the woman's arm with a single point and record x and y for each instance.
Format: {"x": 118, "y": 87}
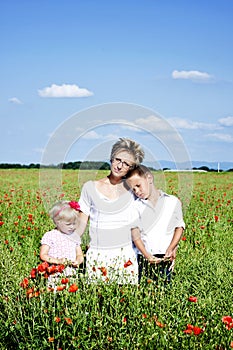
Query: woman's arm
{"x": 79, "y": 256}
{"x": 81, "y": 223}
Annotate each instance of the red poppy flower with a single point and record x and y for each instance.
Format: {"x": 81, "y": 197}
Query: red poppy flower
{"x": 42, "y": 267}
{"x": 33, "y": 272}
{"x": 197, "y": 330}
{"x": 229, "y": 326}
{"x": 160, "y": 324}
{"x": 228, "y": 320}
{"x": 60, "y": 288}
{"x": 128, "y": 263}
{"x": 190, "y": 329}
{"x": 73, "y": 288}
{"x": 24, "y": 283}
{"x": 57, "y": 319}
{"x": 74, "y": 205}
{"x": 216, "y": 218}
{"x": 65, "y": 280}
{"x": 184, "y": 238}
{"x": 52, "y": 269}
{"x": 192, "y": 299}
{"x": 103, "y": 270}
{"x": 60, "y": 268}
{"x": 124, "y": 320}
{"x": 68, "y": 320}
{"x": 1, "y": 223}
{"x": 30, "y": 293}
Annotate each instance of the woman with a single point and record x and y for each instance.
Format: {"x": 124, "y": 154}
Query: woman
{"x": 108, "y": 203}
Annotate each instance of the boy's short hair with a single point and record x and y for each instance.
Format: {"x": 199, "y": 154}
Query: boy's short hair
{"x": 140, "y": 170}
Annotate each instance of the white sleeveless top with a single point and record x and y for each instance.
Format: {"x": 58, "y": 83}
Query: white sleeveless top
{"x": 110, "y": 220}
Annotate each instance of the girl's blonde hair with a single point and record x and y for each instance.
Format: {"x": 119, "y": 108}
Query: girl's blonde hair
{"x": 63, "y": 210}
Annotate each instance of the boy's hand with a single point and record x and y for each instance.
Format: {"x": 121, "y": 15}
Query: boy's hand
{"x": 153, "y": 260}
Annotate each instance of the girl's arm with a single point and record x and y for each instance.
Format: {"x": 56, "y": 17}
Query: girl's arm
{"x": 44, "y": 255}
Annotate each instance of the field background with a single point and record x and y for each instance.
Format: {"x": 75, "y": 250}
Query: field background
{"x": 108, "y": 316}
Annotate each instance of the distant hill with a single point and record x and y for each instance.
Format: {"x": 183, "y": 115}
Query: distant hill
{"x": 213, "y": 165}
{"x": 164, "y": 164}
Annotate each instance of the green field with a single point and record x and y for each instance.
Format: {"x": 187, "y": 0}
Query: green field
{"x": 107, "y": 316}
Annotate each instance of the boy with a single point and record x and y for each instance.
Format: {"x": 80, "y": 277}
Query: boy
{"x": 160, "y": 225}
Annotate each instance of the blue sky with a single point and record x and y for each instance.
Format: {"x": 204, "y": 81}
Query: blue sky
{"x": 171, "y": 61}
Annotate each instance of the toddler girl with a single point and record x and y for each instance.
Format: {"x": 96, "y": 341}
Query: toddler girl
{"x": 62, "y": 245}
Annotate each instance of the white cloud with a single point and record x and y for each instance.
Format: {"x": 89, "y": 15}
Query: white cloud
{"x": 15, "y": 100}
{"x": 187, "y": 124}
{"x": 64, "y": 90}
{"x": 194, "y": 75}
{"x": 152, "y": 123}
{"x": 227, "y": 121}
{"x": 221, "y": 137}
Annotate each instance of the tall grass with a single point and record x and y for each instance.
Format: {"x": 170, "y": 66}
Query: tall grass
{"x": 107, "y": 316}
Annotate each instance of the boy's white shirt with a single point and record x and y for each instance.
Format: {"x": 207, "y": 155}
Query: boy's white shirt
{"x": 157, "y": 224}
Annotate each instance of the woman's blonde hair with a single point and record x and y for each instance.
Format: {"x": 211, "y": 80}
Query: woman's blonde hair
{"x": 125, "y": 144}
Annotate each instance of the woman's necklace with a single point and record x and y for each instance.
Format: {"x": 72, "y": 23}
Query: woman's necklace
{"x": 110, "y": 189}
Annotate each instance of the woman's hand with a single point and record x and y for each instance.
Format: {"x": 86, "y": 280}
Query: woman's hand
{"x": 79, "y": 260}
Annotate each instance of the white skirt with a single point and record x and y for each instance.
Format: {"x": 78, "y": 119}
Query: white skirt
{"x": 117, "y": 265}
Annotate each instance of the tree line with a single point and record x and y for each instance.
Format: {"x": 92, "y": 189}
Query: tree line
{"x": 86, "y": 165}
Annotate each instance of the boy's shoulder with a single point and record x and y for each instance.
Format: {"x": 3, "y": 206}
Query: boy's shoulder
{"x": 171, "y": 197}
